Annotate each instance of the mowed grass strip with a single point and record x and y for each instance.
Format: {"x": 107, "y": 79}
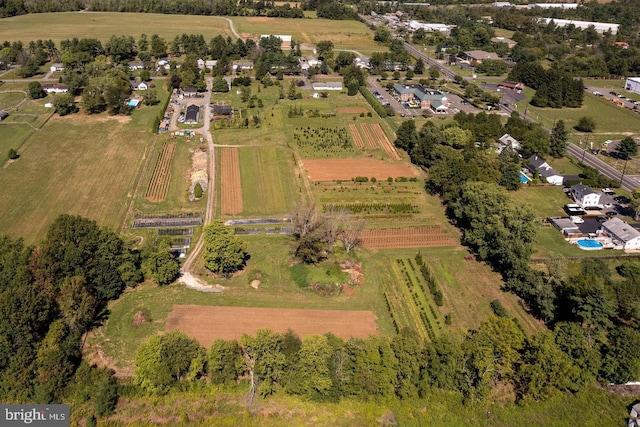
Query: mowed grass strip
{"x": 102, "y": 25}
{"x": 545, "y": 201}
{"x": 269, "y": 185}
{"x": 77, "y": 165}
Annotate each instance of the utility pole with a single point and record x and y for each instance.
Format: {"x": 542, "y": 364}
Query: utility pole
{"x": 623, "y": 170}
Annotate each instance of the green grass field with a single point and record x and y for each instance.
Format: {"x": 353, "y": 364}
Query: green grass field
{"x": 269, "y": 183}
{"x": 545, "y": 201}
{"x": 102, "y": 25}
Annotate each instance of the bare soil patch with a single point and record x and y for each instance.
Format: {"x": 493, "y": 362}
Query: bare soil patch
{"x": 332, "y": 169}
{"x": 139, "y": 319}
{"x": 258, "y": 19}
{"x": 159, "y": 185}
{"x": 350, "y": 110}
{"x": 206, "y": 324}
{"x": 409, "y": 237}
{"x": 231, "y": 187}
{"x": 355, "y": 135}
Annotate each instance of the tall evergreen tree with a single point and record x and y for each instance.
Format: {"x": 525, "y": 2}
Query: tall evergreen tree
{"x": 558, "y": 141}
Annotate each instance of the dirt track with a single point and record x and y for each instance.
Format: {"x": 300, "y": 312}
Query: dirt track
{"x": 206, "y": 324}
{"x": 330, "y": 169}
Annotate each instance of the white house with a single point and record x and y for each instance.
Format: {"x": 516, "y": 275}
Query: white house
{"x": 537, "y": 164}
{"x": 633, "y": 84}
{"x": 585, "y": 196}
{"x": 327, "y": 86}
{"x": 622, "y": 234}
{"x": 139, "y": 86}
{"x": 56, "y": 67}
{"x": 242, "y": 65}
{"x": 507, "y": 140}
{"x": 501, "y": 4}
{"x": 55, "y": 88}
{"x": 210, "y": 63}
{"x": 136, "y": 65}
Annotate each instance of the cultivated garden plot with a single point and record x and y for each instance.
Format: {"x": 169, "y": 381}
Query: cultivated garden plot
{"x": 206, "y": 324}
{"x": 159, "y": 184}
{"x": 231, "y": 193}
{"x": 346, "y": 169}
{"x": 408, "y": 237}
{"x": 315, "y": 142}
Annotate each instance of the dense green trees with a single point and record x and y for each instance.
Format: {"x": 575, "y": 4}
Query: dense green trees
{"x": 35, "y": 90}
{"x": 223, "y": 253}
{"x": 161, "y": 262}
{"x": 558, "y": 140}
{"x": 627, "y": 148}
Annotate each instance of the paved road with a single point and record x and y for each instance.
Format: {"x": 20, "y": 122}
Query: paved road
{"x": 628, "y": 183}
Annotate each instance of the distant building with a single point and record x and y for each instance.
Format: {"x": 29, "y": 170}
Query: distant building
{"x": 136, "y": 65}
{"x": 426, "y": 98}
{"x": 538, "y": 164}
{"x": 189, "y": 92}
{"x": 193, "y": 114}
{"x": 585, "y": 196}
{"x": 477, "y": 56}
{"x": 163, "y": 126}
{"x": 501, "y": 4}
{"x": 633, "y": 84}
{"x": 507, "y": 141}
{"x": 430, "y": 27}
{"x": 56, "y": 67}
{"x": 553, "y": 5}
{"x": 327, "y": 86}
{"x": 362, "y": 62}
{"x": 600, "y": 27}
{"x": 242, "y": 65}
{"x": 138, "y": 86}
{"x": 222, "y": 110}
{"x": 513, "y": 86}
{"x": 286, "y": 39}
{"x": 622, "y": 234}
{"x": 55, "y": 88}
{"x": 510, "y": 43}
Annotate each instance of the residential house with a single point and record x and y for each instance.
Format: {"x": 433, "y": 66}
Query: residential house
{"x": 306, "y": 63}
{"x": 507, "y": 141}
{"x": 634, "y": 416}
{"x": 585, "y": 196}
{"x": 189, "y": 92}
{"x": 426, "y": 98}
{"x": 327, "y": 86}
{"x": 501, "y": 4}
{"x": 163, "y": 63}
{"x": 136, "y": 65}
{"x": 193, "y": 114}
{"x": 362, "y": 62}
{"x": 55, "y": 88}
{"x": 210, "y": 63}
{"x": 477, "y": 56}
{"x": 513, "y": 86}
{"x": 622, "y": 234}
{"x": 200, "y": 63}
{"x": 510, "y": 43}
{"x": 538, "y": 164}
{"x": 242, "y": 65}
{"x": 138, "y": 86}
{"x": 56, "y": 67}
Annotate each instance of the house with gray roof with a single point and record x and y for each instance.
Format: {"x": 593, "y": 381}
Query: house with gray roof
{"x": 507, "y": 141}
{"x": 477, "y": 56}
{"x": 426, "y": 98}
{"x": 539, "y": 165}
{"x": 585, "y": 196}
{"x": 622, "y": 234}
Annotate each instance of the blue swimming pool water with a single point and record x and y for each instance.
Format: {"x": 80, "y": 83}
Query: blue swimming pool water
{"x": 524, "y": 178}
{"x": 134, "y": 102}
{"x": 589, "y": 244}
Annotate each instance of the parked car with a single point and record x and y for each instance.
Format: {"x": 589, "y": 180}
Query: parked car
{"x": 622, "y": 199}
{"x": 596, "y": 93}
{"x": 608, "y": 205}
{"x": 612, "y": 213}
{"x": 613, "y": 93}
{"x": 608, "y": 191}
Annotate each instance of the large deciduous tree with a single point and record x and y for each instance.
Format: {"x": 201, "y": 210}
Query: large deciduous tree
{"x": 223, "y": 253}
{"x": 627, "y": 148}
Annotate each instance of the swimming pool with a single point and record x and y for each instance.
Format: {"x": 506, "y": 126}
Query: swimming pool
{"x": 524, "y": 178}
{"x": 133, "y": 103}
{"x": 589, "y": 245}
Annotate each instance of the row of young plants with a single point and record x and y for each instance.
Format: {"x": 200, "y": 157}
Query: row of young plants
{"x": 390, "y": 208}
{"x": 426, "y": 313}
{"x": 430, "y": 280}
{"x": 402, "y": 314}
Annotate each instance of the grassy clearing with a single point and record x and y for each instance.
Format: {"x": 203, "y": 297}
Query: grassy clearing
{"x": 608, "y": 116}
{"x": 344, "y": 34}
{"x": 545, "y": 201}
{"x": 9, "y": 100}
{"x": 270, "y": 256}
{"x": 269, "y": 184}
{"x": 13, "y": 136}
{"x": 102, "y": 25}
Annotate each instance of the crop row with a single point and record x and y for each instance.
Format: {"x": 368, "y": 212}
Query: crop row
{"x": 159, "y": 184}
{"x": 429, "y": 279}
{"x": 400, "y": 310}
{"x": 415, "y": 292}
{"x": 392, "y": 208}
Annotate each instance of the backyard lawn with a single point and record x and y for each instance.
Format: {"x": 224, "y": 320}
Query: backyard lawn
{"x": 545, "y": 201}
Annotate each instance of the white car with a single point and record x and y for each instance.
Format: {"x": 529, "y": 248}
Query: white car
{"x": 577, "y": 220}
{"x": 608, "y": 205}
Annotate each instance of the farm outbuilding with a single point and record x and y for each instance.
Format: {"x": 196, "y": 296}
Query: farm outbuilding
{"x": 600, "y": 27}
{"x": 193, "y": 114}
{"x": 3, "y": 115}
{"x": 327, "y": 86}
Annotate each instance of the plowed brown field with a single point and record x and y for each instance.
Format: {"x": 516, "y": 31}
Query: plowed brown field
{"x": 206, "y": 324}
{"x": 330, "y": 169}
{"x": 231, "y": 193}
{"x": 410, "y": 237}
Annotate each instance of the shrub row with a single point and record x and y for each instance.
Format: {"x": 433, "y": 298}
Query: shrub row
{"x": 375, "y": 104}
{"x": 392, "y": 208}
{"x": 431, "y": 282}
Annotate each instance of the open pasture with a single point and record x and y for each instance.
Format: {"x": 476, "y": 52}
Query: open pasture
{"x": 102, "y": 25}
{"x": 206, "y": 324}
{"x": 231, "y": 192}
{"x": 346, "y": 169}
{"x": 407, "y": 237}
{"x": 346, "y": 34}
{"x": 351, "y": 110}
{"x": 159, "y": 185}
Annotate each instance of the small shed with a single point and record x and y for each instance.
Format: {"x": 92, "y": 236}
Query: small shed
{"x": 193, "y": 114}
{"x": 222, "y": 110}
{"x": 3, "y": 115}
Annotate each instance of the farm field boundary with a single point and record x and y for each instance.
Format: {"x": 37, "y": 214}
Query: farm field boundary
{"x": 369, "y": 136}
{"x": 355, "y": 135}
{"x": 206, "y": 324}
{"x": 408, "y": 237}
{"x": 159, "y": 184}
{"x": 231, "y": 197}
{"x": 383, "y": 141}
{"x": 346, "y": 169}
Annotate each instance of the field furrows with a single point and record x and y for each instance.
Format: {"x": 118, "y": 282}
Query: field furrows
{"x": 357, "y": 138}
{"x": 384, "y": 141}
{"x": 159, "y": 184}
{"x": 369, "y": 136}
{"x": 411, "y": 237}
{"x": 231, "y": 193}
